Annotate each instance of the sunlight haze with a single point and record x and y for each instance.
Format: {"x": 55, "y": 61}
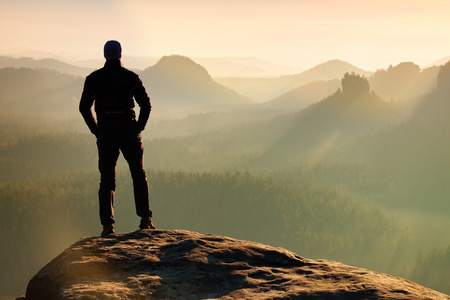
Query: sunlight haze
{"x": 369, "y": 34}
{"x": 320, "y": 127}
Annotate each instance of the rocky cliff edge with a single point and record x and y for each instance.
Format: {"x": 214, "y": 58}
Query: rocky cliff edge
{"x": 175, "y": 264}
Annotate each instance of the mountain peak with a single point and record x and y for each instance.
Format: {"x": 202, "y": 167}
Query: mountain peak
{"x": 182, "y": 84}
{"x": 178, "y": 65}
{"x": 353, "y": 84}
{"x": 334, "y": 69}
{"x": 176, "y": 264}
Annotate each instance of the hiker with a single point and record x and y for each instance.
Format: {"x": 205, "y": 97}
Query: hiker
{"x": 114, "y": 89}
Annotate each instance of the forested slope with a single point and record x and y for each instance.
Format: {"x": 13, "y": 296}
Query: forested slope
{"x": 352, "y": 178}
{"x": 41, "y": 217}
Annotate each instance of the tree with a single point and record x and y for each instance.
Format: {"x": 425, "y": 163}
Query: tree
{"x": 443, "y": 79}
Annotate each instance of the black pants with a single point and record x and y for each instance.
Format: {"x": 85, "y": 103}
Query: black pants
{"x": 109, "y": 144}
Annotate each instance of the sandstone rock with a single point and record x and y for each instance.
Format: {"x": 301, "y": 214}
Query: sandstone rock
{"x": 174, "y": 264}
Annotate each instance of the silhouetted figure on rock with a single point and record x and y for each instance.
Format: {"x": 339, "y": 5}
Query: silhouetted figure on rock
{"x": 114, "y": 90}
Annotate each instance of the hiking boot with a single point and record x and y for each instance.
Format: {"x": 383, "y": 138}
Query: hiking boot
{"x": 146, "y": 223}
{"x": 107, "y": 230}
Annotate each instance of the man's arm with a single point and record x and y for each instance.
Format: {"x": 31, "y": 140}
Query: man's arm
{"x": 143, "y": 100}
{"x": 86, "y": 102}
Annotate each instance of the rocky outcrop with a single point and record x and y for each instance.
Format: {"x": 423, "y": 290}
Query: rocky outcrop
{"x": 174, "y": 264}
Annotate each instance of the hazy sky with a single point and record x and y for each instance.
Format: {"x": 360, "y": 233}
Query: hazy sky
{"x": 370, "y": 34}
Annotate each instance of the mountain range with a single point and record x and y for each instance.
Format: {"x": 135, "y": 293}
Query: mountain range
{"x": 175, "y": 83}
{"x": 265, "y": 89}
{"x": 408, "y": 142}
{"x": 179, "y": 84}
{"x": 378, "y": 140}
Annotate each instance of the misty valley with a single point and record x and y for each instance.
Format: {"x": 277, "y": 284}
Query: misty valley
{"x": 335, "y": 162}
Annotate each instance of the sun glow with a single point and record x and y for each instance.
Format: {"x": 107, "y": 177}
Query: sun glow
{"x": 372, "y": 34}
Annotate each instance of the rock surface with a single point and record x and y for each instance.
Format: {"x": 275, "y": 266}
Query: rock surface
{"x": 174, "y": 264}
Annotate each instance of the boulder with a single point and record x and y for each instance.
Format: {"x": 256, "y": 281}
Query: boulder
{"x": 176, "y": 264}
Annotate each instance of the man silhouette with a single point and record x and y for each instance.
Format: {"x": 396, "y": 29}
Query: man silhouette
{"x": 114, "y": 90}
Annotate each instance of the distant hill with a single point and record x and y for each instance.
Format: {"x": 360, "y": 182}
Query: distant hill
{"x": 47, "y": 63}
{"x": 440, "y": 62}
{"x": 314, "y": 131}
{"x": 177, "y": 83}
{"x": 39, "y": 92}
{"x": 404, "y": 82}
{"x": 305, "y": 95}
{"x": 265, "y": 89}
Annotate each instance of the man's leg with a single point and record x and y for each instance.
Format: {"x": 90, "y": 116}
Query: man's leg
{"x": 133, "y": 151}
{"x": 108, "y": 152}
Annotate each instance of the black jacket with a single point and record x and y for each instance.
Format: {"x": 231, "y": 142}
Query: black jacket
{"x": 114, "y": 89}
